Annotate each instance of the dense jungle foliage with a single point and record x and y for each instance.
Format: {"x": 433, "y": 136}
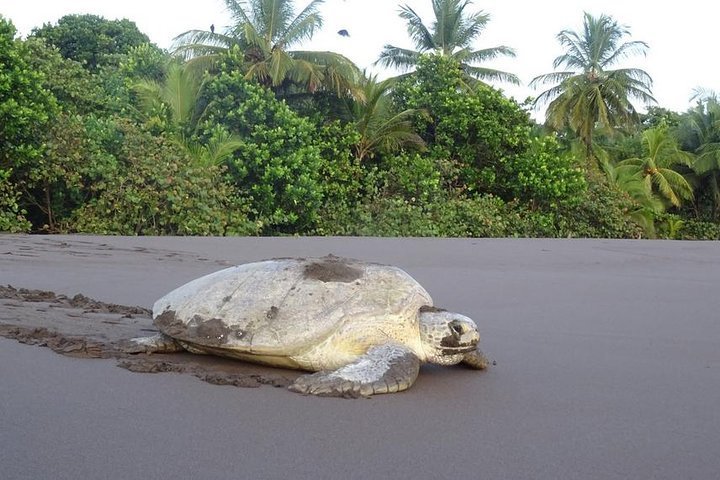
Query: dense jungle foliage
{"x": 237, "y": 133}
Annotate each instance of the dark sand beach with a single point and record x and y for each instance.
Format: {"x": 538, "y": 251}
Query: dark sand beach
{"x": 607, "y": 367}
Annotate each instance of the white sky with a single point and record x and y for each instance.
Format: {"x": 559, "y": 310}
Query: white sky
{"x": 681, "y": 35}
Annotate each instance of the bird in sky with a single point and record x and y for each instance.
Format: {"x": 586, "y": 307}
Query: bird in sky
{"x": 343, "y": 33}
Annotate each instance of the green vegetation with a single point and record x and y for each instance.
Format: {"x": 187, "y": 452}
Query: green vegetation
{"x": 237, "y": 132}
{"x": 452, "y": 34}
{"x": 91, "y": 40}
{"x": 262, "y": 32}
{"x": 590, "y": 96}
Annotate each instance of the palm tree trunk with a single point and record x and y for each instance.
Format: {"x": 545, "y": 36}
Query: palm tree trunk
{"x": 591, "y": 162}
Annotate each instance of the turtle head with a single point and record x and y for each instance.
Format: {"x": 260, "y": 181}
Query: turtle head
{"x": 446, "y": 337}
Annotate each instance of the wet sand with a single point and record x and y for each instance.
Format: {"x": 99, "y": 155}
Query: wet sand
{"x": 608, "y": 367}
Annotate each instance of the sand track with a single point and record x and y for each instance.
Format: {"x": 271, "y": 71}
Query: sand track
{"x": 82, "y": 327}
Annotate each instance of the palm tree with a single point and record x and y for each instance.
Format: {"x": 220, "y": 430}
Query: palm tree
{"x": 451, "y": 34}
{"x": 700, "y": 133}
{"x": 264, "y": 31}
{"x": 173, "y": 105}
{"x": 648, "y": 206}
{"x": 654, "y": 168}
{"x": 588, "y": 94}
{"x": 173, "y": 100}
{"x": 381, "y": 128}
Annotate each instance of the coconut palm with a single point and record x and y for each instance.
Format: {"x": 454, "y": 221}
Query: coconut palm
{"x": 451, "y": 34}
{"x": 700, "y": 133}
{"x": 381, "y": 128}
{"x": 655, "y": 170}
{"x": 264, "y": 31}
{"x": 648, "y": 205}
{"x": 588, "y": 93}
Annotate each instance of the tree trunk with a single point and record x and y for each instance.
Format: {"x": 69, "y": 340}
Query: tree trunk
{"x": 48, "y": 208}
{"x": 591, "y": 163}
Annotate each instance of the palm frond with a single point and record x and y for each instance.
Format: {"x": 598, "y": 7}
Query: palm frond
{"x": 304, "y": 25}
{"x": 482, "y": 73}
{"x": 180, "y": 93}
{"x": 203, "y": 63}
{"x": 451, "y": 28}
{"x": 280, "y": 63}
{"x": 678, "y": 183}
{"x": 418, "y": 32}
{"x": 396, "y": 57}
{"x": 476, "y": 56}
{"x": 220, "y": 148}
{"x": 237, "y": 12}
{"x": 625, "y": 50}
{"x": 708, "y": 159}
{"x": 576, "y": 55}
{"x": 470, "y": 28}
{"x": 548, "y": 78}
{"x": 194, "y": 43}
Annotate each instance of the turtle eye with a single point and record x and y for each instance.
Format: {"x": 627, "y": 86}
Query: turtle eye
{"x": 456, "y": 328}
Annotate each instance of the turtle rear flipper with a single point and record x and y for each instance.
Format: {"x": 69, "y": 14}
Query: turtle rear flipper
{"x": 158, "y": 343}
{"x": 383, "y": 369}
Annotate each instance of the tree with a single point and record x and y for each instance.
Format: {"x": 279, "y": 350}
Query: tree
{"x": 381, "y": 128}
{"x": 26, "y": 109}
{"x": 469, "y": 133}
{"x": 77, "y": 90}
{"x": 25, "y": 106}
{"x": 90, "y": 39}
{"x": 172, "y": 107}
{"x": 654, "y": 169}
{"x": 278, "y": 162}
{"x": 647, "y": 206}
{"x": 699, "y": 133}
{"x": 452, "y": 35}
{"x": 262, "y": 33}
{"x": 172, "y": 102}
{"x": 52, "y": 183}
{"x": 589, "y": 94}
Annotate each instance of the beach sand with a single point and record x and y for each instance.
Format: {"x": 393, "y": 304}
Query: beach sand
{"x": 607, "y": 366}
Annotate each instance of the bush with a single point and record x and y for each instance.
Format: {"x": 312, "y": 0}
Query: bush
{"x": 12, "y": 219}
{"x": 483, "y": 216}
{"x": 346, "y": 182}
{"x": 699, "y": 230}
{"x": 157, "y": 191}
{"x": 278, "y": 163}
{"x": 544, "y": 176}
{"x": 604, "y": 212}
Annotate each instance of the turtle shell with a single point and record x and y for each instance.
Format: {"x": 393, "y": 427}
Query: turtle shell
{"x": 285, "y": 306}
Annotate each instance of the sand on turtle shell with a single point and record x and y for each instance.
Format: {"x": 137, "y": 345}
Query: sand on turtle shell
{"x": 332, "y": 269}
{"x": 85, "y": 328}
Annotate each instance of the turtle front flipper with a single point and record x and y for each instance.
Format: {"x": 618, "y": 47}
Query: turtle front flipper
{"x": 158, "y": 343}
{"x": 383, "y": 369}
{"x": 476, "y": 359}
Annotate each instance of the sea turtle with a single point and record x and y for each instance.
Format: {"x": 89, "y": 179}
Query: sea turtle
{"x": 365, "y": 328}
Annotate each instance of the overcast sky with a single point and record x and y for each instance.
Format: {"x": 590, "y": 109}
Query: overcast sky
{"x": 682, "y": 38}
